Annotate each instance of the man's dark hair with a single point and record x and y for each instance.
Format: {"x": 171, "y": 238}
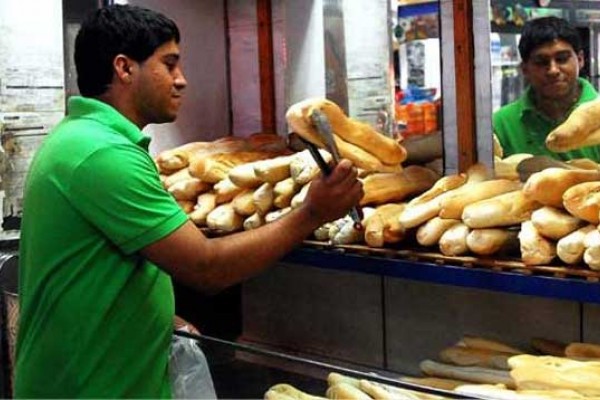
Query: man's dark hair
{"x": 539, "y": 31}
{"x": 119, "y": 29}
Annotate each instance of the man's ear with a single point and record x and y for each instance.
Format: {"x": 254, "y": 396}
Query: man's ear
{"x": 580, "y": 59}
{"x": 123, "y": 66}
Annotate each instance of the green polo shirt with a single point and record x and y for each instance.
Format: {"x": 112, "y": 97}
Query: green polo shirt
{"x": 522, "y": 129}
{"x": 96, "y": 318}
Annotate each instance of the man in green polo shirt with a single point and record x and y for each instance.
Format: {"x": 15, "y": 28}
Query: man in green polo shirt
{"x": 101, "y": 238}
{"x": 552, "y": 56}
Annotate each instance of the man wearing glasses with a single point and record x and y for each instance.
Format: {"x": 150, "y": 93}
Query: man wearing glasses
{"x": 552, "y": 56}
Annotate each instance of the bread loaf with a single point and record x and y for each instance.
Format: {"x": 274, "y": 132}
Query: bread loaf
{"x": 224, "y": 218}
{"x": 584, "y": 163}
{"x": 549, "y": 373}
{"x": 468, "y": 356}
{"x": 243, "y": 176}
{"x": 181, "y": 175}
{"x": 303, "y": 167}
{"x": 188, "y": 189}
{"x": 506, "y": 168}
{"x": 583, "y": 201}
{"x": 383, "y": 226}
{"x": 345, "y": 391}
{"x": 204, "y": 205}
{"x": 243, "y": 203}
{"x": 276, "y": 214}
{"x": 225, "y": 191}
{"x": 273, "y": 170}
{"x": 360, "y": 134}
{"x": 583, "y": 350}
{"x": 442, "y": 185}
{"x": 216, "y": 167}
{"x": 299, "y": 197}
{"x": 485, "y": 242}
{"x": 500, "y": 392}
{"x": 453, "y": 242}
{"x": 570, "y": 248}
{"x": 591, "y": 257}
{"x": 502, "y": 210}
{"x": 429, "y": 234}
{"x": 253, "y": 221}
{"x": 382, "y": 188}
{"x": 470, "y": 374}
{"x": 333, "y": 378}
{"x": 283, "y": 192}
{"x": 288, "y": 391}
{"x": 434, "y": 382}
{"x": 263, "y": 198}
{"x": 453, "y": 205}
{"x": 478, "y": 342}
{"x": 580, "y": 129}
{"x": 535, "y": 249}
{"x": 554, "y": 223}
{"x": 298, "y": 118}
{"x": 548, "y": 186}
{"x": 177, "y": 158}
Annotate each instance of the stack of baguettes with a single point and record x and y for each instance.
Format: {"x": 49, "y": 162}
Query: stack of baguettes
{"x": 232, "y": 183}
{"x": 491, "y": 369}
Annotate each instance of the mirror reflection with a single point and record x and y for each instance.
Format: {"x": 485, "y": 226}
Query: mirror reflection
{"x": 544, "y": 67}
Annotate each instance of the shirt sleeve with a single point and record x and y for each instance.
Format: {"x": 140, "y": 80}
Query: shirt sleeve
{"x": 118, "y": 190}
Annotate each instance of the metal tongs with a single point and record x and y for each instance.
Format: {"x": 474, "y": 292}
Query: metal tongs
{"x": 323, "y": 127}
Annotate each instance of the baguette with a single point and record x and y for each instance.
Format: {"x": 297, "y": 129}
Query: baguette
{"x": 580, "y": 129}
{"x": 273, "y": 170}
{"x": 478, "y": 342}
{"x": 583, "y": 201}
{"x": 554, "y": 223}
{"x": 549, "y": 185}
{"x": 469, "y": 356}
{"x": 283, "y": 192}
{"x": 289, "y": 391}
{"x": 224, "y": 218}
{"x": 550, "y": 373}
{"x": 263, "y": 198}
{"x": 382, "y": 188}
{"x": 225, "y": 191}
{"x": 583, "y": 350}
{"x": 383, "y": 226}
{"x": 502, "y": 210}
{"x": 591, "y": 257}
{"x": 570, "y": 248}
{"x": 177, "y": 158}
{"x": 243, "y": 203}
{"x": 181, "y": 175}
{"x": 535, "y": 249}
{"x": 333, "y": 378}
{"x": 205, "y": 203}
{"x": 253, "y": 222}
{"x": 216, "y": 167}
{"x": 453, "y": 205}
{"x": 442, "y": 185}
{"x": 299, "y": 197}
{"x": 453, "y": 242}
{"x": 345, "y": 391}
{"x": 188, "y": 189}
{"x": 429, "y": 234}
{"x": 469, "y": 374}
{"x": 485, "y": 242}
{"x": 243, "y": 176}
{"x": 506, "y": 168}
{"x": 500, "y": 392}
{"x": 434, "y": 382}
{"x": 354, "y": 132}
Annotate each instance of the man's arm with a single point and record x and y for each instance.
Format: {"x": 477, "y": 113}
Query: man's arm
{"x": 211, "y": 265}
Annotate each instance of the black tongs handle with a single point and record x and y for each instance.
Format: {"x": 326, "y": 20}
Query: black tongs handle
{"x": 356, "y": 212}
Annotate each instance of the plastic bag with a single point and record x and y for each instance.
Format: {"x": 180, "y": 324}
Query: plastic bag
{"x": 188, "y": 370}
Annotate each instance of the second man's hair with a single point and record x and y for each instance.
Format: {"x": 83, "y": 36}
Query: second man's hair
{"x": 539, "y": 31}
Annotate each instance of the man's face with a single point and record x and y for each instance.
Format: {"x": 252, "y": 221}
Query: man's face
{"x": 160, "y": 85}
{"x": 552, "y": 69}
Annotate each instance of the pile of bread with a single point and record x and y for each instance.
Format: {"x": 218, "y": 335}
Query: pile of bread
{"x": 233, "y": 184}
{"x": 494, "y": 370}
{"x": 344, "y": 387}
{"x": 481, "y": 368}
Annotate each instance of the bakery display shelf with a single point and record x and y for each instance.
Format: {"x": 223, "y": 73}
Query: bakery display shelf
{"x": 504, "y": 275}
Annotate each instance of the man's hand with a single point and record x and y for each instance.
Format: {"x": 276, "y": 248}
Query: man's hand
{"x": 181, "y": 324}
{"x": 331, "y": 197}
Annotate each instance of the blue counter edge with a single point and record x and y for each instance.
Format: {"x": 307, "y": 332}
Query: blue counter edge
{"x": 472, "y": 277}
